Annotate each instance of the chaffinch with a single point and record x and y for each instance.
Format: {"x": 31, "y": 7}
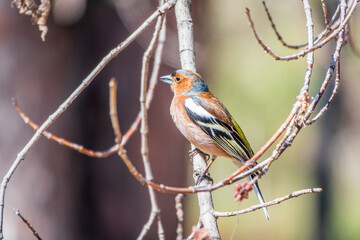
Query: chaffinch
{"x": 205, "y": 121}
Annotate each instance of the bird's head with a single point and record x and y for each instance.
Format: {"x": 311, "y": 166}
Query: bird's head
{"x": 185, "y": 82}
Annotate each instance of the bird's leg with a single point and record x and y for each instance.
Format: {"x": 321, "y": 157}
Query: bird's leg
{"x": 195, "y": 151}
{"x": 206, "y": 171}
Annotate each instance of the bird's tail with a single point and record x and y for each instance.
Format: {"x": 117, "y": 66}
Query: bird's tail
{"x": 261, "y": 198}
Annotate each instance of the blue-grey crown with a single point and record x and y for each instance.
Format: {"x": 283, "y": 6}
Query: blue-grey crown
{"x": 200, "y": 85}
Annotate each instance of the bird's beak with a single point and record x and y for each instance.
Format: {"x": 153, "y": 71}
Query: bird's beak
{"x": 167, "y": 79}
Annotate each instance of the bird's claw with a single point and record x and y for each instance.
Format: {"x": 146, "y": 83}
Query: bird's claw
{"x": 195, "y": 151}
{"x": 202, "y": 175}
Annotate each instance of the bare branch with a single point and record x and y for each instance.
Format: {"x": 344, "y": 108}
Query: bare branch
{"x": 333, "y": 94}
{"x": 155, "y": 210}
{"x": 268, "y": 204}
{"x": 62, "y": 141}
{"x": 118, "y": 137}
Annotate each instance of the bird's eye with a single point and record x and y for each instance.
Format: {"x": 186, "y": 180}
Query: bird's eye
{"x": 177, "y": 79}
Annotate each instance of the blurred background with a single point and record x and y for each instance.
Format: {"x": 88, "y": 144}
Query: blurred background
{"x": 66, "y": 195}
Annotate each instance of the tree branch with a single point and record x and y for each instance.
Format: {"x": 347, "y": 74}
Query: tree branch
{"x": 268, "y": 204}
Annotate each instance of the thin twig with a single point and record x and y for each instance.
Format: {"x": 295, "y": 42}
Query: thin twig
{"x": 155, "y": 210}
{"x": 333, "y": 94}
{"x": 268, "y": 204}
{"x": 52, "y": 118}
{"x": 118, "y": 137}
{"x": 280, "y": 38}
{"x": 324, "y": 8}
{"x": 329, "y": 26}
{"x": 310, "y": 56}
{"x": 152, "y": 84}
{"x": 62, "y": 141}
{"x": 17, "y": 212}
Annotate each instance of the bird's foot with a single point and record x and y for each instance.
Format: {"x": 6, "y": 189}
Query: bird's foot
{"x": 206, "y": 171}
{"x": 201, "y": 176}
{"x": 195, "y": 151}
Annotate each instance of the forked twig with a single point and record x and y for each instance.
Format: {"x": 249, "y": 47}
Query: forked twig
{"x": 331, "y": 98}
{"x": 302, "y": 53}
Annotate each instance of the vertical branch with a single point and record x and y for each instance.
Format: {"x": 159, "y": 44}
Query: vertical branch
{"x": 187, "y": 58}
{"x": 155, "y": 210}
{"x": 310, "y": 56}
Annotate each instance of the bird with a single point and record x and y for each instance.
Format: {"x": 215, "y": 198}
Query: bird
{"x": 206, "y": 123}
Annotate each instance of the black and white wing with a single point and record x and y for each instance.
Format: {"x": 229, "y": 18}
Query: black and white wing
{"x": 203, "y": 114}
